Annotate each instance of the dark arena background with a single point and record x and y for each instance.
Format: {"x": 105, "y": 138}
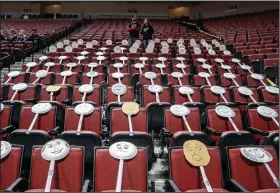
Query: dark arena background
{"x": 140, "y": 96}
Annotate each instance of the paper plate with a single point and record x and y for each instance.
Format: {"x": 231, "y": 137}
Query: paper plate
{"x": 94, "y": 42}
{"x": 54, "y": 150}
{"x": 257, "y": 76}
{"x": 206, "y": 66}
{"x": 180, "y": 59}
{"x": 123, "y": 150}
{"x": 130, "y": 108}
{"x": 41, "y": 108}
{"x": 213, "y": 41}
{"x": 217, "y": 44}
{"x": 202, "y": 41}
{"x": 185, "y": 90}
{"x": 157, "y": 40}
{"x": 92, "y": 74}
{"x": 83, "y": 53}
{"x": 235, "y": 60}
{"x": 100, "y": 58}
{"x": 182, "y": 51}
{"x": 224, "y": 111}
{"x": 41, "y": 74}
{"x": 123, "y": 58}
{"x": 109, "y": 42}
{"x": 59, "y": 45}
{"x": 211, "y": 52}
{"x": 66, "y": 42}
{"x": 150, "y": 75}
{"x": 208, "y": 47}
{"x": 49, "y": 64}
{"x": 267, "y": 112}
{"x": 92, "y": 65}
{"x": 179, "y": 43}
{"x": 222, "y": 48}
{"x": 152, "y": 42}
{"x": 162, "y": 59}
{"x": 66, "y": 73}
{"x": 139, "y": 65}
{"x": 272, "y": 89}
{"x": 226, "y": 67}
{"x": 80, "y": 42}
{"x": 179, "y": 110}
{"x": 31, "y": 64}
{"x": 103, "y": 49}
{"x": 119, "y": 89}
{"x": 143, "y": 59}
{"x": 52, "y": 49}
{"x": 155, "y": 88}
{"x": 117, "y": 75}
{"x": 204, "y": 74}
{"x": 99, "y": 53}
{"x": 68, "y": 49}
{"x": 218, "y": 90}
{"x": 86, "y": 88}
{"x": 133, "y": 50}
{"x": 75, "y": 45}
{"x": 124, "y": 42}
{"x": 170, "y": 40}
{"x": 165, "y": 50}
{"x": 245, "y": 67}
{"x": 180, "y": 65}
{"x": 177, "y": 74}
{"x": 160, "y": 65}
{"x": 89, "y": 45}
{"x": 204, "y": 44}
{"x": 118, "y": 65}
{"x": 14, "y": 74}
{"x": 193, "y": 44}
{"x": 149, "y": 50}
{"x": 256, "y": 154}
{"x": 80, "y": 58}
{"x": 197, "y": 51}
{"x": 229, "y": 75}
{"x": 219, "y": 60}
{"x": 62, "y": 57}
{"x": 42, "y": 58}
{"x": 245, "y": 91}
{"x": 182, "y": 46}
{"x": 6, "y": 148}
{"x": 227, "y": 53}
{"x": 182, "y": 40}
{"x": 201, "y": 60}
{"x": 19, "y": 87}
{"x": 72, "y": 64}
{"x": 1, "y": 107}
{"x": 84, "y": 109}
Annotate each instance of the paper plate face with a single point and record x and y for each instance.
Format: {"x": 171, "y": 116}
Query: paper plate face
{"x": 182, "y": 51}
{"x": 19, "y": 87}
{"x": 31, "y": 64}
{"x": 180, "y": 65}
{"x": 222, "y": 48}
{"x": 138, "y": 42}
{"x": 193, "y": 44}
{"x": 84, "y": 109}
{"x": 196, "y": 153}
{"x": 66, "y": 42}
{"x": 72, "y": 64}
{"x": 256, "y": 154}
{"x": 272, "y": 89}
{"x": 66, "y": 73}
{"x": 204, "y": 44}
{"x": 204, "y": 74}
{"x": 42, "y": 58}
{"x": 118, "y": 65}
{"x": 197, "y": 51}
{"x": 56, "y": 149}
{"x": 143, "y": 58}
{"x": 229, "y": 75}
{"x": 185, "y": 90}
{"x": 182, "y": 46}
{"x": 41, "y": 108}
{"x": 123, "y": 150}
{"x": 49, "y": 64}
{"x": 80, "y": 42}
{"x": 92, "y": 65}
{"x": 62, "y": 57}
{"x": 257, "y": 76}
{"x": 84, "y": 53}
{"x": 179, "y": 43}
{"x": 68, "y": 49}
{"x": 235, "y": 60}
{"x": 201, "y": 60}
{"x": 150, "y": 75}
{"x": 162, "y": 59}
{"x": 53, "y": 88}
{"x": 13, "y": 74}
{"x": 219, "y": 60}
{"x": 94, "y": 42}
{"x": 224, "y": 111}
{"x": 92, "y": 74}
{"x": 119, "y": 89}
{"x": 124, "y": 42}
{"x": 155, "y": 88}
{"x": 206, "y": 66}
{"x": 117, "y": 75}
{"x": 1, "y": 107}
{"x": 130, "y": 108}
{"x": 169, "y": 40}
{"x": 100, "y": 58}
{"x": 157, "y": 40}
{"x": 227, "y": 53}
{"x": 160, "y": 65}
{"x": 109, "y": 42}
{"x": 177, "y": 75}
{"x": 245, "y": 91}
{"x": 89, "y": 45}
{"x": 52, "y": 49}
{"x": 179, "y": 110}
{"x": 245, "y": 67}
{"x": 41, "y": 74}
{"x": 59, "y": 45}
{"x": 217, "y": 44}
{"x": 208, "y": 47}
{"x": 211, "y": 52}
{"x": 81, "y": 58}
{"x": 267, "y": 112}
{"x": 123, "y": 58}
{"x": 6, "y": 148}
{"x": 139, "y": 65}
{"x": 180, "y": 59}
{"x": 86, "y": 88}
{"x": 226, "y": 67}
{"x": 133, "y": 49}
{"x": 218, "y": 90}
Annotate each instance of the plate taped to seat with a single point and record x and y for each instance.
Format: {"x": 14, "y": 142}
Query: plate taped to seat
{"x": 6, "y": 148}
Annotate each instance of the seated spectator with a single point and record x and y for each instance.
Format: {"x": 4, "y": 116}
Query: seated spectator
{"x": 3, "y": 35}
{"x": 12, "y": 36}
{"x": 21, "y": 37}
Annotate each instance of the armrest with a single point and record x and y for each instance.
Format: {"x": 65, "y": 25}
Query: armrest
{"x": 19, "y": 185}
{"x": 55, "y": 131}
{"x": 235, "y": 186}
{"x": 257, "y": 131}
{"x": 105, "y": 133}
{"x": 170, "y": 186}
{"x": 7, "y": 129}
{"x": 31, "y": 100}
{"x": 67, "y": 102}
{"x": 166, "y": 133}
{"x": 213, "y": 132}
{"x": 86, "y": 185}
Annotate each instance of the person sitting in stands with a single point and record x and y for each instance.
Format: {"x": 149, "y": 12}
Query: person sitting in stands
{"x": 3, "y": 35}
{"x": 21, "y": 37}
{"x": 13, "y": 35}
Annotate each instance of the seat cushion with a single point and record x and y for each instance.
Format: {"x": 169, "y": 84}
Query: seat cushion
{"x": 205, "y": 190}
{"x": 42, "y": 190}
{"x": 268, "y": 190}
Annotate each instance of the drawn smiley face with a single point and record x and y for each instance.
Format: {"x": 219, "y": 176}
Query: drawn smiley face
{"x": 256, "y": 154}
{"x": 41, "y": 108}
{"x": 224, "y": 111}
{"x": 55, "y": 150}
{"x": 5, "y": 149}
{"x": 179, "y": 110}
{"x": 267, "y": 112}
{"x": 123, "y": 150}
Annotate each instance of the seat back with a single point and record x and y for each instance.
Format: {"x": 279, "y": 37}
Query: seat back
{"x": 111, "y": 97}
{"x": 269, "y": 97}
{"x": 238, "y": 97}
{"x": 251, "y": 175}
{"x": 95, "y": 96}
{"x": 11, "y": 167}
{"x": 46, "y": 80}
{"x": 188, "y": 177}
{"x": 148, "y": 97}
{"x": 59, "y": 96}
{"x": 68, "y": 172}
{"x": 126, "y": 80}
{"x": 210, "y": 97}
{"x": 97, "y": 80}
{"x": 134, "y": 171}
{"x": 228, "y": 82}
{"x": 144, "y": 81}
{"x": 69, "y": 79}
{"x": 5, "y": 116}
{"x": 174, "y": 81}
{"x": 19, "y": 79}
{"x": 28, "y": 93}
{"x": 202, "y": 81}
{"x": 178, "y": 98}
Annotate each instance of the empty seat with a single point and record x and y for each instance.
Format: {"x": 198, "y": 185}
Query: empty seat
{"x": 124, "y": 80}
{"x": 93, "y": 97}
{"x": 48, "y": 80}
{"x": 210, "y": 98}
{"x": 69, "y": 79}
{"x": 6, "y": 126}
{"x": 268, "y": 97}
{"x": 21, "y": 78}
{"x": 199, "y": 81}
